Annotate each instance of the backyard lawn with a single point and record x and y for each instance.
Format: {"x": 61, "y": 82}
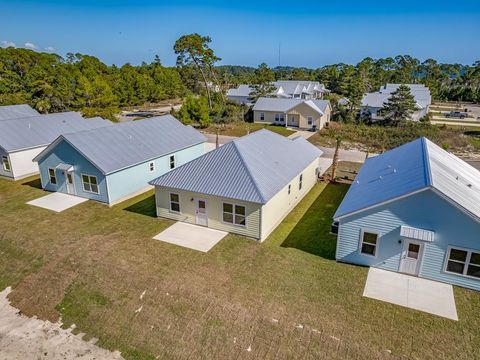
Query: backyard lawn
{"x": 283, "y": 299}
{"x": 243, "y": 128}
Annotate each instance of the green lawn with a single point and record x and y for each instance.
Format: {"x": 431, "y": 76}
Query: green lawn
{"x": 283, "y": 299}
{"x": 243, "y": 128}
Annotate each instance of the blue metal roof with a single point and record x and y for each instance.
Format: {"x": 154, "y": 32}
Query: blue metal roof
{"x": 127, "y": 144}
{"x": 387, "y": 176}
{"x": 253, "y": 168}
{"x": 413, "y": 167}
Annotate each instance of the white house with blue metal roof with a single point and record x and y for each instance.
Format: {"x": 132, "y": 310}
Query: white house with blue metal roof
{"x": 246, "y": 186}
{"x": 415, "y": 210}
{"x": 23, "y": 138}
{"x": 114, "y": 163}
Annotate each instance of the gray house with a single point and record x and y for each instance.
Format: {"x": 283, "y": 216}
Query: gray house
{"x": 21, "y": 139}
{"x": 246, "y": 186}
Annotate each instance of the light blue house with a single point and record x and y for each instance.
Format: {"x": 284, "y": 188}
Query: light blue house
{"x": 114, "y": 163}
{"x": 415, "y": 210}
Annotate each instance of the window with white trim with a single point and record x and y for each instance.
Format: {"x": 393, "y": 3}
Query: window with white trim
{"x": 463, "y": 262}
{"x": 310, "y": 120}
{"x": 234, "y": 214}
{"x": 262, "y": 116}
{"x": 300, "y": 182}
{"x": 277, "y": 117}
{"x": 175, "y": 202}
{"x": 151, "y": 166}
{"x": 90, "y": 184}
{"x": 6, "y": 164}
{"x": 369, "y": 243}
{"x": 53, "y": 176}
{"x": 172, "y": 162}
{"x": 289, "y": 189}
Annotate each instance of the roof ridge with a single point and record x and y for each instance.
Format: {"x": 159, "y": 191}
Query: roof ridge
{"x": 249, "y": 172}
{"x": 426, "y": 160}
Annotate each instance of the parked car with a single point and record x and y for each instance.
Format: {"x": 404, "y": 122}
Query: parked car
{"x": 456, "y": 114}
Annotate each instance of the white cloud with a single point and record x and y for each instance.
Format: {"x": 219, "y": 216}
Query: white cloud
{"x": 30, "y": 46}
{"x": 50, "y": 49}
{"x": 5, "y": 43}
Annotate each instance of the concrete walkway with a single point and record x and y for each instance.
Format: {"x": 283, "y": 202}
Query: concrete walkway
{"x": 302, "y": 133}
{"x": 57, "y": 201}
{"x": 415, "y": 293}
{"x": 191, "y": 236}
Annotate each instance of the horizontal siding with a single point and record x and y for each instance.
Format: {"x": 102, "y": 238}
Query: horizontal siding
{"x": 214, "y": 210}
{"x": 424, "y": 210}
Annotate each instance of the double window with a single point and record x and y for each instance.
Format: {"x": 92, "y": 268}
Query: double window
{"x": 368, "y": 243}
{"x": 300, "y": 182}
{"x": 172, "y": 162}
{"x": 279, "y": 117}
{"x": 174, "y": 202}
{"x": 151, "y": 166}
{"x": 90, "y": 184}
{"x": 234, "y": 214}
{"x": 6, "y": 164}
{"x": 53, "y": 176}
{"x": 463, "y": 262}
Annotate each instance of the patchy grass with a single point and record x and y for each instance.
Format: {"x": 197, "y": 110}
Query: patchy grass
{"x": 284, "y": 298}
{"x": 380, "y": 138}
{"x": 243, "y": 128}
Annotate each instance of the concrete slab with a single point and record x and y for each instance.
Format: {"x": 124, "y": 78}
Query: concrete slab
{"x": 324, "y": 164}
{"x": 416, "y": 293}
{"x": 302, "y": 133}
{"x": 191, "y": 236}
{"x": 57, "y": 201}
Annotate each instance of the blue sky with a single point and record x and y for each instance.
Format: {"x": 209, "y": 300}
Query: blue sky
{"x": 311, "y": 33}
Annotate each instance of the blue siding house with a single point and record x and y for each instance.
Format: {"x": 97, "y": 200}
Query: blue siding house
{"x": 115, "y": 163}
{"x": 415, "y": 210}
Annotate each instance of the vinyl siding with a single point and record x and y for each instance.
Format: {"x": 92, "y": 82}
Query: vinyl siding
{"x": 8, "y": 174}
{"x": 65, "y": 153}
{"x": 282, "y": 203}
{"x": 300, "y": 114}
{"x": 21, "y": 163}
{"x": 214, "y": 211}
{"x": 124, "y": 183}
{"x": 424, "y": 210}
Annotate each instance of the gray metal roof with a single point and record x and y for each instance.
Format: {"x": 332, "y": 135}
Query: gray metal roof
{"x": 41, "y": 130}
{"x": 127, "y": 144}
{"x": 284, "y": 105}
{"x": 413, "y": 167}
{"x": 287, "y": 87}
{"x": 16, "y": 111}
{"x": 253, "y": 168}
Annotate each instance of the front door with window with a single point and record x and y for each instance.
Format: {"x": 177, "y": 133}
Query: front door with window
{"x": 201, "y": 217}
{"x": 411, "y": 257}
{"x": 69, "y": 182}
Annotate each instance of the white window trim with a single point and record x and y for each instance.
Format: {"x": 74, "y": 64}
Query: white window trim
{"x": 300, "y": 182}
{"x": 170, "y": 161}
{"x": 309, "y": 120}
{"x": 233, "y": 214}
{"x": 467, "y": 262}
{"x": 6, "y": 162}
{"x": 360, "y": 242}
{"x": 50, "y": 177}
{"x": 170, "y": 203}
{"x": 151, "y": 166}
{"x": 83, "y": 184}
{"x": 289, "y": 189}
{"x": 262, "y": 116}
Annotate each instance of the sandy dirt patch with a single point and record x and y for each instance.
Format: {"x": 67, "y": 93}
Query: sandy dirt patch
{"x": 24, "y": 338}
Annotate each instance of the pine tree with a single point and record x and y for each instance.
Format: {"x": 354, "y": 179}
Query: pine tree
{"x": 399, "y": 107}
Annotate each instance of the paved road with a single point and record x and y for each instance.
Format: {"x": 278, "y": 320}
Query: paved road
{"x": 475, "y": 164}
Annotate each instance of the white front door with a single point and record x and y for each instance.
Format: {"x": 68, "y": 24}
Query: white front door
{"x": 69, "y": 182}
{"x": 201, "y": 212}
{"x": 411, "y": 257}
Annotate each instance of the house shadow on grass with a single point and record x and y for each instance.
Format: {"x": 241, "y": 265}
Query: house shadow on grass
{"x": 312, "y": 232}
{"x": 144, "y": 207}
{"x": 34, "y": 183}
